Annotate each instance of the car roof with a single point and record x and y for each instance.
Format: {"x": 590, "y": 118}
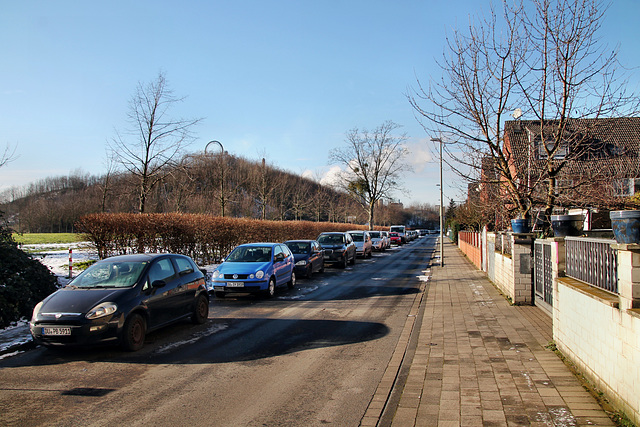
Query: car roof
{"x": 136, "y": 257}
{"x": 257, "y": 244}
{"x": 333, "y": 232}
{"x": 300, "y": 241}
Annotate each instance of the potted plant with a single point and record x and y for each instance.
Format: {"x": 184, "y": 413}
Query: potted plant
{"x": 521, "y": 225}
{"x": 567, "y": 225}
{"x": 626, "y": 226}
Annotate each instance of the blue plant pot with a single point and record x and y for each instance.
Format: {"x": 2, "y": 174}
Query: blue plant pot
{"x": 521, "y": 225}
{"x": 567, "y": 225}
{"x": 626, "y": 226}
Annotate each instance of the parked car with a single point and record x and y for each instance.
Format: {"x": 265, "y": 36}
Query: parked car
{"x": 362, "y": 239}
{"x": 120, "y": 299}
{"x": 386, "y": 238}
{"x": 308, "y": 256}
{"x": 378, "y": 242}
{"x": 395, "y": 238}
{"x": 255, "y": 268}
{"x": 339, "y": 248}
{"x": 401, "y": 230}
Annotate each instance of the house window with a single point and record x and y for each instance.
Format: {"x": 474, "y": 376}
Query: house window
{"x": 626, "y": 187}
{"x": 561, "y": 151}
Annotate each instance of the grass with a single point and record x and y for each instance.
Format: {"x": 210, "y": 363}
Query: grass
{"x": 46, "y": 238}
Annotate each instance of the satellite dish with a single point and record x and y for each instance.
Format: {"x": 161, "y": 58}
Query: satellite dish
{"x": 517, "y": 113}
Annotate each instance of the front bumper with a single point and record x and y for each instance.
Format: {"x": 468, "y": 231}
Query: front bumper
{"x": 248, "y": 286}
{"x": 81, "y": 334}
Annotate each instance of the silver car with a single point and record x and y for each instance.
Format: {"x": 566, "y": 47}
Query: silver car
{"x": 362, "y": 239}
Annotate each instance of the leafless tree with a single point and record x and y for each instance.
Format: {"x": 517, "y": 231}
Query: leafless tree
{"x": 8, "y": 155}
{"x": 155, "y": 139}
{"x": 542, "y": 59}
{"x": 373, "y": 162}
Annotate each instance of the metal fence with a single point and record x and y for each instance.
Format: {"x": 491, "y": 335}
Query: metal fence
{"x": 543, "y": 271}
{"x": 503, "y": 243}
{"x": 592, "y": 261}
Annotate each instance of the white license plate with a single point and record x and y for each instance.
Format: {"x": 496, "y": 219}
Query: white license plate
{"x": 56, "y": 331}
{"x": 235, "y": 284}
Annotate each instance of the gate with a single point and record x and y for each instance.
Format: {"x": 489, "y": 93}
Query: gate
{"x": 543, "y": 272}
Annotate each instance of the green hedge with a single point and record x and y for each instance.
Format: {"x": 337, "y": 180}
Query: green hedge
{"x": 205, "y": 238}
{"x": 24, "y": 281}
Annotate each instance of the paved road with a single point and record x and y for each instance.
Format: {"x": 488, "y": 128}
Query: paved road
{"x": 310, "y": 356}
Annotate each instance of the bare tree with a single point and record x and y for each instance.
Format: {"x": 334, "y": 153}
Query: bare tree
{"x": 8, "y": 155}
{"x": 374, "y": 162}
{"x": 541, "y": 59}
{"x": 156, "y": 138}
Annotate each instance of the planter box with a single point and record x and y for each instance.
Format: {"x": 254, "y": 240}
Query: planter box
{"x": 567, "y": 225}
{"x": 626, "y": 226}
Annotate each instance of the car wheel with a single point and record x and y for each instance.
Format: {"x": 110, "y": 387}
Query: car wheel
{"x": 135, "y": 329}
{"x": 309, "y": 271}
{"x": 343, "y": 263}
{"x": 200, "y": 310}
{"x": 219, "y": 294}
{"x": 321, "y": 267}
{"x": 292, "y": 283}
{"x": 271, "y": 289}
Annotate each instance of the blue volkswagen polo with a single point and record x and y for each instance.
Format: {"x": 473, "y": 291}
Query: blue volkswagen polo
{"x": 255, "y": 268}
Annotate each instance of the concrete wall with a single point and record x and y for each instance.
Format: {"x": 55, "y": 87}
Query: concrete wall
{"x": 602, "y": 340}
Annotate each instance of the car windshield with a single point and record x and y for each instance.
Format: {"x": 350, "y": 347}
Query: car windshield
{"x": 374, "y": 234}
{"x": 397, "y": 229}
{"x": 393, "y": 234}
{"x": 250, "y": 254}
{"x": 357, "y": 237}
{"x": 299, "y": 247}
{"x": 110, "y": 275}
{"x": 331, "y": 239}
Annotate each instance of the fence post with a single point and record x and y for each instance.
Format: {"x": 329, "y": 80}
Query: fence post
{"x": 628, "y": 275}
{"x": 70, "y": 264}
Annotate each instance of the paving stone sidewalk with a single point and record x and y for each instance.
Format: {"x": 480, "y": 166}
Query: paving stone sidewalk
{"x": 482, "y": 362}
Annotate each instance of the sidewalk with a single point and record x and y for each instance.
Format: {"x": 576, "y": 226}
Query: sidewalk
{"x": 482, "y": 362}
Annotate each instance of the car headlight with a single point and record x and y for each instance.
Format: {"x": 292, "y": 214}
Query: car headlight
{"x": 301, "y": 262}
{"x": 215, "y": 274}
{"x": 101, "y": 310}
{"x": 259, "y": 274}
{"x": 36, "y": 309}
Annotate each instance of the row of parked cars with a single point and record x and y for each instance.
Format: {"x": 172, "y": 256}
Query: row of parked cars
{"x": 120, "y": 299}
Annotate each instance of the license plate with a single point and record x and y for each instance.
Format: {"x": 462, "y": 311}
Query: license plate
{"x": 56, "y": 331}
{"x": 235, "y": 284}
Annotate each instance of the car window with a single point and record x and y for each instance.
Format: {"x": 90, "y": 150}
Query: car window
{"x": 184, "y": 265}
{"x": 375, "y": 235}
{"x": 287, "y": 252}
{"x": 357, "y": 237}
{"x": 109, "y": 274}
{"x": 331, "y": 239}
{"x": 250, "y": 254}
{"x": 277, "y": 251}
{"x": 161, "y": 270}
{"x": 298, "y": 247}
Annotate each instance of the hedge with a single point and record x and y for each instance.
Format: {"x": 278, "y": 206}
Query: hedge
{"x": 205, "y": 238}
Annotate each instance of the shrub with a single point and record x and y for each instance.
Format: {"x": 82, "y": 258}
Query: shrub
{"x": 24, "y": 281}
{"x": 205, "y": 238}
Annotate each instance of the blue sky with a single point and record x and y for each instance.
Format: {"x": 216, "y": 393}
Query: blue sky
{"x": 277, "y": 79}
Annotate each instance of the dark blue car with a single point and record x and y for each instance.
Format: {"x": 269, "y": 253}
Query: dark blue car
{"x": 308, "y": 255}
{"x": 255, "y": 268}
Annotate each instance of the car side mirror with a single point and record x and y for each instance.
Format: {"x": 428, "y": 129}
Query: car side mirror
{"x": 158, "y": 284}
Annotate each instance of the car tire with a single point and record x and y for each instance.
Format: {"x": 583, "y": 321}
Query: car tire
{"x": 321, "y": 267}
{"x": 200, "y": 310}
{"x": 343, "y": 263}
{"x": 133, "y": 334}
{"x": 309, "y": 272}
{"x": 292, "y": 283}
{"x": 271, "y": 288}
{"x": 219, "y": 294}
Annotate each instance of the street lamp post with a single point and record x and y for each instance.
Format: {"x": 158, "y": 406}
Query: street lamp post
{"x": 441, "y": 209}
{"x": 222, "y": 201}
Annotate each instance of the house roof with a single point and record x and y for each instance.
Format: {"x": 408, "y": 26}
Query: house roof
{"x": 607, "y": 146}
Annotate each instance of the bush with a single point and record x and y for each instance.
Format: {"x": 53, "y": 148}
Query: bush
{"x": 205, "y": 238}
{"x": 24, "y": 281}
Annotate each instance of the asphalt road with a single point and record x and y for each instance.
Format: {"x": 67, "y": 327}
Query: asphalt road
{"x": 310, "y": 356}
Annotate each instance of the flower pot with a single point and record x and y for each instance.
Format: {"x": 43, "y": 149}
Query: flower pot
{"x": 567, "y": 225}
{"x": 626, "y": 226}
{"x": 521, "y": 225}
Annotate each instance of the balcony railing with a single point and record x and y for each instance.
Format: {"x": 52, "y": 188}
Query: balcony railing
{"x": 592, "y": 261}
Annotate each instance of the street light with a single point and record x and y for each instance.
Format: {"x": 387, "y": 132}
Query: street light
{"x": 441, "y": 199}
{"x": 222, "y": 201}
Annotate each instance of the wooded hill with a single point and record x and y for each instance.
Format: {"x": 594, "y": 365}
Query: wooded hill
{"x": 197, "y": 184}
